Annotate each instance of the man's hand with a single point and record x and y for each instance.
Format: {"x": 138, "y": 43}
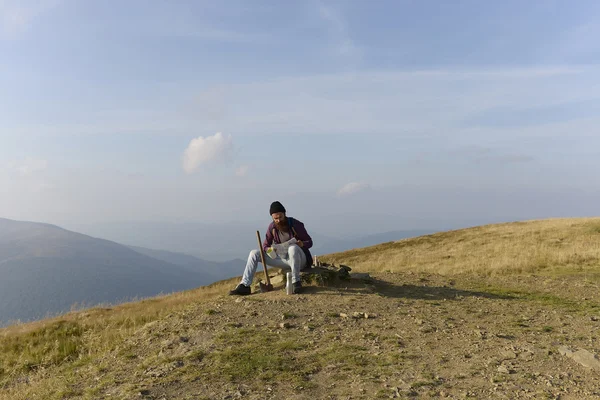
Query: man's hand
{"x": 299, "y": 243}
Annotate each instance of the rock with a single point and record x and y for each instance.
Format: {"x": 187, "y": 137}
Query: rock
{"x": 361, "y": 276}
{"x": 480, "y": 333}
{"x": 344, "y": 273}
{"x": 503, "y": 369}
{"x": 583, "y": 357}
{"x": 284, "y": 325}
{"x": 371, "y": 288}
{"x": 239, "y": 300}
{"x": 508, "y": 355}
{"x": 357, "y": 314}
{"x": 594, "y": 318}
{"x": 343, "y": 315}
{"x": 277, "y": 279}
{"x": 370, "y": 316}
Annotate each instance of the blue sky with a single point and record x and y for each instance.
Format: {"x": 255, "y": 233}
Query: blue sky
{"x": 410, "y": 112}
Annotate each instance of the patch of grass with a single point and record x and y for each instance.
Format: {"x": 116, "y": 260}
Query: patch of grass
{"x": 250, "y": 354}
{"x": 350, "y": 357}
{"x": 498, "y": 249}
{"x": 409, "y": 356}
{"x": 244, "y": 363}
{"x": 81, "y": 334}
{"x": 196, "y": 355}
{"x": 557, "y": 301}
{"x": 594, "y": 228}
{"x": 287, "y": 315}
{"x": 547, "y": 329}
{"x": 544, "y": 298}
{"x": 210, "y": 311}
{"x": 290, "y": 345}
{"x": 52, "y": 345}
{"x": 419, "y": 384}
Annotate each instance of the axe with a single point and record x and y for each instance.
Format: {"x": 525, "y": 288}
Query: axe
{"x": 268, "y": 287}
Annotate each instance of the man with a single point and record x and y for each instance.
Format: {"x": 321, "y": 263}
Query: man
{"x": 298, "y": 256}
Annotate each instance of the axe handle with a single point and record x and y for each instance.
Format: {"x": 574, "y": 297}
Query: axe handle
{"x": 262, "y": 257}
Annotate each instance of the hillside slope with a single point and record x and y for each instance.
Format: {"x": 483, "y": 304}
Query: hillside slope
{"x": 518, "y": 247}
{"x": 409, "y": 332}
{"x": 45, "y": 270}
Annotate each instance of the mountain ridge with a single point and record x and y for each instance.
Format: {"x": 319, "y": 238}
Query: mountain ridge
{"x": 47, "y": 269}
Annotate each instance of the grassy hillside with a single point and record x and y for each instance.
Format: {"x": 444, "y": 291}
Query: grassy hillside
{"x": 455, "y": 314}
{"x": 551, "y": 246}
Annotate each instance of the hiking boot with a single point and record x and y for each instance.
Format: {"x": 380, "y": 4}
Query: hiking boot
{"x": 297, "y": 289}
{"x": 240, "y": 290}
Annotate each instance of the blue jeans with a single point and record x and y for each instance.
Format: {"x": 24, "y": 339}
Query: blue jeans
{"x": 295, "y": 261}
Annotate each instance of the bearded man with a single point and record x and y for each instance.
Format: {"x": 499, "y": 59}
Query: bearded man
{"x": 298, "y": 257}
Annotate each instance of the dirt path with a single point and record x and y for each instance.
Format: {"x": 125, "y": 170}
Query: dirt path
{"x": 405, "y": 335}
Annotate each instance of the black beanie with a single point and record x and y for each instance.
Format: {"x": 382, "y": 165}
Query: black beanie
{"x": 276, "y": 207}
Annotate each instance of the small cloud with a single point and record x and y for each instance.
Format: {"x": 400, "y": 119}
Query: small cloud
{"x": 506, "y": 159}
{"x": 241, "y": 171}
{"x": 353, "y": 188}
{"x": 210, "y": 150}
{"x": 486, "y": 155}
{"x": 29, "y": 166}
{"x": 42, "y": 187}
{"x": 18, "y": 16}
{"x": 338, "y": 30}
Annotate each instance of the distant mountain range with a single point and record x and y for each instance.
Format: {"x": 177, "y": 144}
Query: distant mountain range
{"x": 45, "y": 270}
{"x": 224, "y": 241}
{"x": 214, "y": 270}
{"x": 330, "y": 245}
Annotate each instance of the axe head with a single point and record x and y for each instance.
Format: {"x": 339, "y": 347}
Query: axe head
{"x": 264, "y": 287}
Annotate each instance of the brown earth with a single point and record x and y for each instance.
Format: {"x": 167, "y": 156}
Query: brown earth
{"x": 404, "y": 335}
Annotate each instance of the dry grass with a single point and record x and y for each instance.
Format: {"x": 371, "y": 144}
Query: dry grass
{"x": 80, "y": 335}
{"x": 552, "y": 246}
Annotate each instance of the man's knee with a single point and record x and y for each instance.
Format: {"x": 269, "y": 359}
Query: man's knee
{"x": 255, "y": 253}
{"x": 294, "y": 250}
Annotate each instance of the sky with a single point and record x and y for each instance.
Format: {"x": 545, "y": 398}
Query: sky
{"x": 392, "y": 114}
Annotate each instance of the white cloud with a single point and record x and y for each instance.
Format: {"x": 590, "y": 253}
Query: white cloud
{"x": 17, "y": 16}
{"x": 353, "y": 188}
{"x": 210, "y": 150}
{"x": 29, "y": 166}
{"x": 215, "y": 34}
{"x": 338, "y": 29}
{"x": 241, "y": 171}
